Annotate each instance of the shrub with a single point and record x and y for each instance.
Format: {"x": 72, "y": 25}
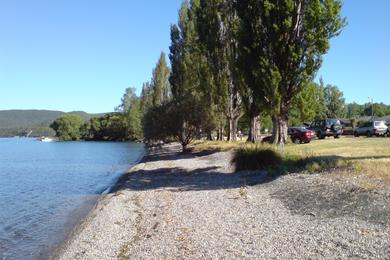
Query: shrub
{"x": 265, "y": 157}
{"x": 257, "y": 158}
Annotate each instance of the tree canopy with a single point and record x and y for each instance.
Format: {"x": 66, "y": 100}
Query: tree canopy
{"x": 284, "y": 42}
{"x": 67, "y": 127}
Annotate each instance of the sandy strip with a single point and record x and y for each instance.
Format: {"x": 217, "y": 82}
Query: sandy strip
{"x": 174, "y": 206}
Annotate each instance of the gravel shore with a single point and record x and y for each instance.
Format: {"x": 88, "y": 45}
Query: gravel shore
{"x": 193, "y": 206}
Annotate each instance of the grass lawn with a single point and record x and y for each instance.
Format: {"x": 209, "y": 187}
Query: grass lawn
{"x": 364, "y": 158}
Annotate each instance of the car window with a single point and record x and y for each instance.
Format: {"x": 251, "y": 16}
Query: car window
{"x": 379, "y": 123}
{"x": 334, "y": 122}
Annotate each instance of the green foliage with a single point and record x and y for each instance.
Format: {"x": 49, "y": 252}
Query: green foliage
{"x": 355, "y": 110}
{"x": 191, "y": 106}
{"x": 146, "y": 98}
{"x": 260, "y": 157}
{"x": 160, "y": 83}
{"x": 308, "y": 105}
{"x": 130, "y": 108}
{"x": 153, "y": 128}
{"x": 216, "y": 23}
{"x": 110, "y": 127}
{"x": 334, "y": 102}
{"x": 133, "y": 121}
{"x": 67, "y": 127}
{"x": 283, "y": 42}
{"x": 376, "y": 109}
{"x": 266, "y": 122}
{"x": 127, "y": 99}
{"x": 181, "y": 122}
{"x": 120, "y": 126}
{"x": 257, "y": 157}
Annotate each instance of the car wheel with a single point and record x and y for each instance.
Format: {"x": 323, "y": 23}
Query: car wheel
{"x": 297, "y": 141}
{"x": 337, "y": 136}
{"x": 356, "y": 134}
{"x": 369, "y": 134}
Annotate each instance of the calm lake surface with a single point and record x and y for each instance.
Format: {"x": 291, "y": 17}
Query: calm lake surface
{"x": 45, "y": 188}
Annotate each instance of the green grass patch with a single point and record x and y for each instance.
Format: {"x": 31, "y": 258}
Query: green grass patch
{"x": 364, "y": 157}
{"x": 275, "y": 161}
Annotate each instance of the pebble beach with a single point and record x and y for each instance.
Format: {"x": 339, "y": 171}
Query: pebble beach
{"x": 194, "y": 206}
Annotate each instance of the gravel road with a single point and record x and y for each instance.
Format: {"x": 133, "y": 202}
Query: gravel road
{"x": 193, "y": 206}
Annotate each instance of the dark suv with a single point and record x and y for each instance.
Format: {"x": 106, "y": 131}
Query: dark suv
{"x": 327, "y": 127}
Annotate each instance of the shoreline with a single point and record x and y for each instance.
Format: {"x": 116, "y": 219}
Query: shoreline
{"x": 76, "y": 226}
{"x": 194, "y": 206}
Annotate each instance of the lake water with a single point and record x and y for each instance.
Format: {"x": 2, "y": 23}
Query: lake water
{"x": 46, "y": 187}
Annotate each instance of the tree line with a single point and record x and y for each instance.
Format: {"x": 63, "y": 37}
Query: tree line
{"x": 235, "y": 58}
{"x": 235, "y": 64}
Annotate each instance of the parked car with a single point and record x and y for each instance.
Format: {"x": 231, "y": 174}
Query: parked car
{"x": 327, "y": 127}
{"x": 388, "y": 128}
{"x": 377, "y": 128}
{"x": 301, "y": 135}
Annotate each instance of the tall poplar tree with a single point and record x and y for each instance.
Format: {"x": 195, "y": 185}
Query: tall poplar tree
{"x": 160, "y": 82}
{"x": 130, "y": 109}
{"x": 335, "y": 106}
{"x": 188, "y": 70}
{"x": 216, "y": 24}
{"x": 146, "y": 97}
{"x": 290, "y": 38}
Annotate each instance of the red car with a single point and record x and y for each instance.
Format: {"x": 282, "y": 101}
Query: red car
{"x": 300, "y": 135}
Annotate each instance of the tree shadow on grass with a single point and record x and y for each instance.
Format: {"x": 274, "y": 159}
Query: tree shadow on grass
{"x": 326, "y": 161}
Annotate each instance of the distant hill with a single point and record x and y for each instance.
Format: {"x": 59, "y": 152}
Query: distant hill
{"x": 14, "y": 122}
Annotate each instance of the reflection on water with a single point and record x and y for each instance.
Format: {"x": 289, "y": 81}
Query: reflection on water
{"x": 42, "y": 185}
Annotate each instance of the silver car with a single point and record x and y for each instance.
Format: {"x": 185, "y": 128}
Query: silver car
{"x": 371, "y": 128}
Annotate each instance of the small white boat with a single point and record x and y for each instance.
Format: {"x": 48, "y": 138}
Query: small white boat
{"x": 45, "y": 139}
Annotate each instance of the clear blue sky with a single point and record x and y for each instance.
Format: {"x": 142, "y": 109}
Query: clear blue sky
{"x": 81, "y": 55}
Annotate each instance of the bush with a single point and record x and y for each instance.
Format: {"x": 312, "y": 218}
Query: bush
{"x": 257, "y": 158}
{"x": 265, "y": 157}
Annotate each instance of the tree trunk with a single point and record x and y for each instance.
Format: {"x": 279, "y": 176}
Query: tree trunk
{"x": 280, "y": 127}
{"x": 183, "y": 136}
{"x": 234, "y": 110}
{"x": 254, "y": 129}
{"x": 209, "y": 135}
{"x": 230, "y": 134}
{"x": 235, "y": 125}
{"x": 184, "y": 147}
{"x": 220, "y": 132}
